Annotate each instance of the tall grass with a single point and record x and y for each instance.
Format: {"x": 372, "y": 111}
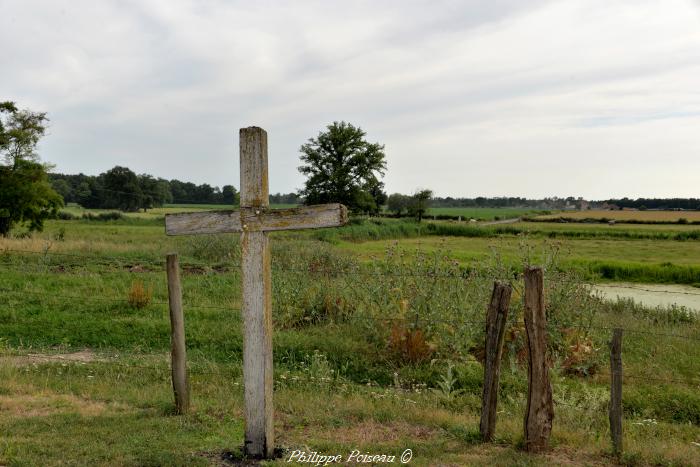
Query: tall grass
{"x": 381, "y": 229}
{"x": 668, "y": 273}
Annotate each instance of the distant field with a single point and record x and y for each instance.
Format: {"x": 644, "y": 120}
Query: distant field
{"x": 77, "y": 210}
{"x": 645, "y": 216}
{"x": 486, "y": 214}
{"x": 596, "y": 227}
{"x": 467, "y": 250}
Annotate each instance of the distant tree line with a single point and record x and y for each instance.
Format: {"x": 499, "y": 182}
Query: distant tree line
{"x": 121, "y": 188}
{"x": 657, "y": 203}
{"x": 506, "y": 202}
{"x": 482, "y": 202}
{"x": 286, "y": 198}
{"x": 415, "y": 205}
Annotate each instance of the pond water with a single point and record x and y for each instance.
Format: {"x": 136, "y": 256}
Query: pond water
{"x": 653, "y": 294}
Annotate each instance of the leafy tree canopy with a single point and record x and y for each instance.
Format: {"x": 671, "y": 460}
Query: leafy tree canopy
{"x": 398, "y": 203}
{"x": 342, "y": 167}
{"x": 419, "y": 203}
{"x": 26, "y": 196}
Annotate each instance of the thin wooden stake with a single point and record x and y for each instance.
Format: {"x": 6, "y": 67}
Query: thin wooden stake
{"x": 540, "y": 409}
{"x": 177, "y": 336}
{"x": 615, "y": 410}
{"x": 495, "y": 331}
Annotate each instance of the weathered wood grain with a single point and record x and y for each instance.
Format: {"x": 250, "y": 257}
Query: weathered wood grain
{"x": 540, "y": 409}
{"x": 177, "y": 336}
{"x": 205, "y": 222}
{"x": 257, "y": 344}
{"x": 254, "y": 180}
{"x": 305, "y": 217}
{"x": 256, "y": 219}
{"x": 615, "y": 409}
{"x": 257, "y": 301}
{"x": 496, "y": 317}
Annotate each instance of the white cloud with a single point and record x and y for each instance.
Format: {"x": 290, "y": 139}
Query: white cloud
{"x": 584, "y": 97}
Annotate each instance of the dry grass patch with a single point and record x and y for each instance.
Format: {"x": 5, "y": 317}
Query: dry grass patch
{"x": 43, "y": 404}
{"x": 82, "y": 356}
{"x": 371, "y": 431}
{"x": 88, "y": 247}
{"x": 649, "y": 216}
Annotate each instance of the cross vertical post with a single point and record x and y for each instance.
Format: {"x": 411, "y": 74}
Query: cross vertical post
{"x": 257, "y": 301}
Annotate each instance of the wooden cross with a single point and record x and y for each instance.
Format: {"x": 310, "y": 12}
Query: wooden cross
{"x": 254, "y": 220}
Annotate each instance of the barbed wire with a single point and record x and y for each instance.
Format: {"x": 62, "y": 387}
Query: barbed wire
{"x": 306, "y": 270}
{"x": 311, "y": 269}
{"x": 409, "y": 319}
{"x": 643, "y": 331}
{"x": 106, "y": 299}
{"x": 193, "y": 369}
{"x": 112, "y": 259}
{"x": 654, "y": 378}
{"x": 405, "y": 319}
{"x": 110, "y": 362}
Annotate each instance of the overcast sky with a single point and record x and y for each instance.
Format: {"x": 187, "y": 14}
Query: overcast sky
{"x": 495, "y": 97}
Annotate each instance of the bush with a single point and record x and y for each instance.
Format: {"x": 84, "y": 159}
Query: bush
{"x": 138, "y": 296}
{"x": 408, "y": 345}
{"x": 65, "y": 216}
{"x": 664, "y": 402}
{"x": 104, "y": 216}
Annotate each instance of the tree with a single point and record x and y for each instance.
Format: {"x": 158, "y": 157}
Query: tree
{"x": 343, "y": 168}
{"x": 62, "y": 188}
{"x": 83, "y": 193}
{"x": 397, "y": 203}
{"x": 155, "y": 192}
{"x": 26, "y": 196}
{"x": 230, "y": 195}
{"x": 123, "y": 190}
{"x": 420, "y": 201}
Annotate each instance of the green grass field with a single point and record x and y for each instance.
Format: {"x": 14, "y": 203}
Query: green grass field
{"x": 657, "y": 260}
{"x": 84, "y": 376}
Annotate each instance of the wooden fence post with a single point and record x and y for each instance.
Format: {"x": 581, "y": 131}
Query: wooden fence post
{"x": 177, "y": 336}
{"x": 495, "y": 331}
{"x": 540, "y": 409}
{"x": 615, "y": 410}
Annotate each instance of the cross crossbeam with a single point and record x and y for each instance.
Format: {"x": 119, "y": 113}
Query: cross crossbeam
{"x": 253, "y": 221}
